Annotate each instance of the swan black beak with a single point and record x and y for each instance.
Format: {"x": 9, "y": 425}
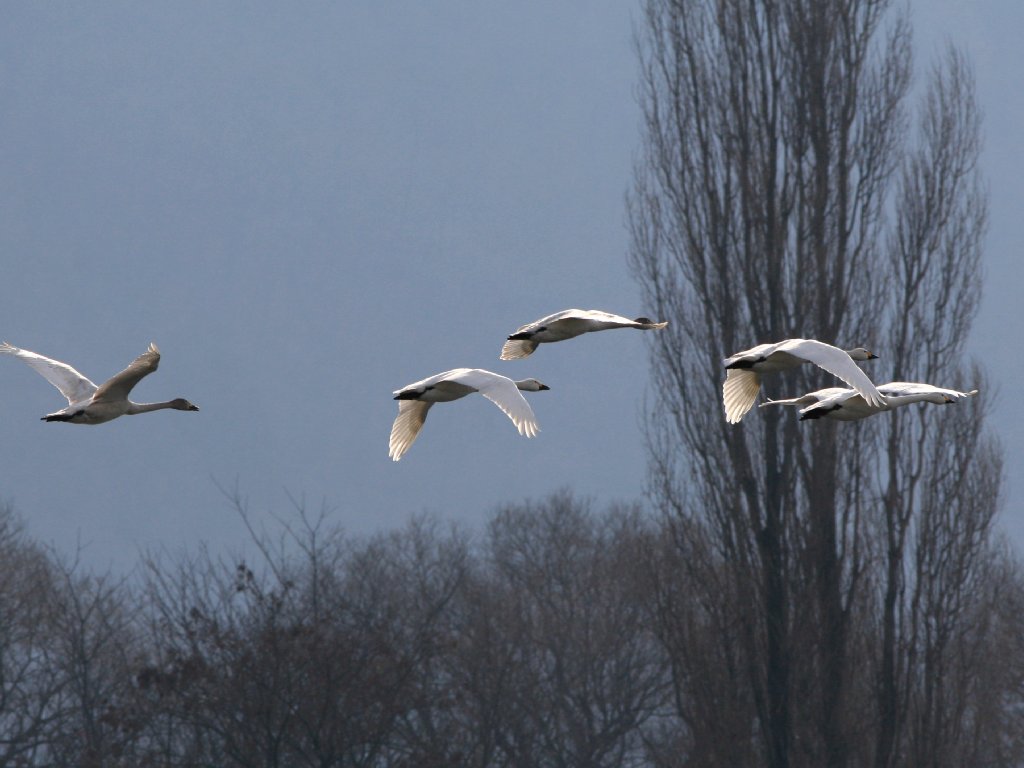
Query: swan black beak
{"x": 544, "y": 386}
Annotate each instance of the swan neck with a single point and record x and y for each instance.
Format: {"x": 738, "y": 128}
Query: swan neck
{"x": 134, "y": 408}
{"x": 897, "y": 400}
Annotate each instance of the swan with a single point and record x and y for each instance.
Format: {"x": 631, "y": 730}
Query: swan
{"x": 414, "y": 400}
{"x": 848, "y": 404}
{"x": 567, "y": 324}
{"x": 743, "y": 380}
{"x": 89, "y": 404}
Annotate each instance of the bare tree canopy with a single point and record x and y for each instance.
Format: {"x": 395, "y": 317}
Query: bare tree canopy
{"x": 786, "y": 189}
{"x": 560, "y": 636}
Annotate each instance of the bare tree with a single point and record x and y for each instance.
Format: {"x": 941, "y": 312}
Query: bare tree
{"x": 31, "y": 685}
{"x": 562, "y": 638}
{"x": 310, "y": 660}
{"x": 781, "y": 194}
{"x": 95, "y": 646}
{"x": 580, "y": 674}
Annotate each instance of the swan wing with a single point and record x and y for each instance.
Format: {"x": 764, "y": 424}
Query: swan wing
{"x": 73, "y": 385}
{"x": 407, "y": 426}
{"x": 118, "y": 386}
{"x": 596, "y": 318}
{"x": 811, "y": 397}
{"x": 549, "y": 319}
{"x": 897, "y": 388}
{"x": 583, "y": 320}
{"x": 517, "y": 349}
{"x": 850, "y": 400}
{"x": 739, "y": 391}
{"x": 954, "y": 394}
{"x": 568, "y": 324}
{"x": 753, "y": 354}
{"x": 501, "y": 391}
{"x": 837, "y": 362}
{"x": 421, "y": 385}
{"x": 909, "y": 388}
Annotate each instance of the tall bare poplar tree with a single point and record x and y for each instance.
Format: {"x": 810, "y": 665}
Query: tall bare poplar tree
{"x": 823, "y": 573}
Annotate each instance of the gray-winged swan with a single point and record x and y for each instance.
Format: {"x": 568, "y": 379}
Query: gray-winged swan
{"x": 89, "y": 404}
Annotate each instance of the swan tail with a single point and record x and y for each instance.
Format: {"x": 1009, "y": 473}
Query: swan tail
{"x": 58, "y": 417}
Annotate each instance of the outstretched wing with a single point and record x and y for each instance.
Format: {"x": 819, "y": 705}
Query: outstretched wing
{"x": 407, "y": 426}
{"x": 600, "y": 320}
{"x": 517, "y": 349}
{"x": 118, "y": 386}
{"x": 502, "y": 391}
{"x": 902, "y": 388}
{"x": 837, "y": 362}
{"x": 739, "y": 391}
{"x": 73, "y": 385}
{"x": 811, "y": 398}
{"x": 568, "y": 324}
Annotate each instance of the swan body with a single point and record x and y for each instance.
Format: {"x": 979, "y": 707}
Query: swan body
{"x": 744, "y": 370}
{"x": 845, "y": 404}
{"x": 89, "y": 404}
{"x": 414, "y": 402}
{"x": 567, "y": 324}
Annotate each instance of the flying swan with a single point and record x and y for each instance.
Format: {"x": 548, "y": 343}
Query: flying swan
{"x": 848, "y": 405}
{"x": 415, "y": 400}
{"x": 567, "y": 324}
{"x": 743, "y": 380}
{"x": 89, "y": 404}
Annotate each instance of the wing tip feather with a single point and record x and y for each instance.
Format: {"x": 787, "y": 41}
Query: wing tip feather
{"x": 739, "y": 392}
{"x": 517, "y": 349}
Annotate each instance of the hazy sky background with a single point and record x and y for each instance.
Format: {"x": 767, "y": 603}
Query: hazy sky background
{"x": 307, "y": 207}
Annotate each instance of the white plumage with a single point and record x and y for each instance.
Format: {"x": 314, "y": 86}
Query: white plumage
{"x": 567, "y": 324}
{"x": 848, "y": 405}
{"x": 89, "y": 404}
{"x": 743, "y": 379}
{"x": 415, "y": 400}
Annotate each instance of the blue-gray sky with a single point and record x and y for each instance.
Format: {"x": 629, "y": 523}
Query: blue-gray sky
{"x": 307, "y": 207}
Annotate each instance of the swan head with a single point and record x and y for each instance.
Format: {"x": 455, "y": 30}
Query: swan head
{"x": 531, "y": 385}
{"x": 181, "y": 404}
{"x": 861, "y": 354}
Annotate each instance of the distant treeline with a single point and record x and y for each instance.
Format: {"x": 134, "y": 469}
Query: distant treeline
{"x": 555, "y": 636}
